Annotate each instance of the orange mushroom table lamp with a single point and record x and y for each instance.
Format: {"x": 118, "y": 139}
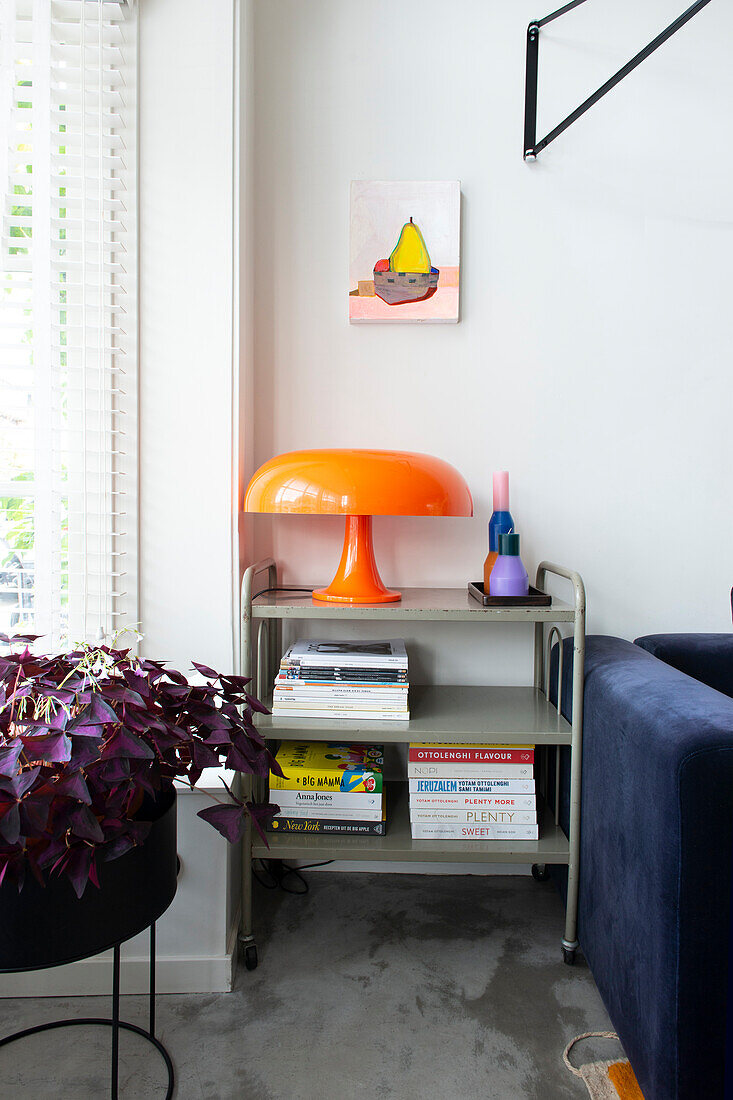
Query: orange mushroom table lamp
{"x": 358, "y": 484}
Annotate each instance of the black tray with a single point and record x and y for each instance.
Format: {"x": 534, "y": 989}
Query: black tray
{"x": 535, "y": 598}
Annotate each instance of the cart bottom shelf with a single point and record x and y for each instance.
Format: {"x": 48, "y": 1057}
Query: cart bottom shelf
{"x": 398, "y": 846}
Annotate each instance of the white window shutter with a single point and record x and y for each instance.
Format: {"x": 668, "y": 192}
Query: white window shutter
{"x": 68, "y": 383}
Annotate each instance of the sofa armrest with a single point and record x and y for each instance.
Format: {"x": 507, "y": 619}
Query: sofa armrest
{"x": 655, "y": 868}
{"x": 705, "y": 657}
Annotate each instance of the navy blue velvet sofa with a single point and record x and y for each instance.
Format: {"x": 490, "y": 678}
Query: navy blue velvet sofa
{"x": 656, "y": 850}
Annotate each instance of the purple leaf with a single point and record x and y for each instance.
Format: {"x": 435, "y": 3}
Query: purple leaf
{"x": 99, "y": 712}
{"x": 84, "y": 751}
{"x": 177, "y": 692}
{"x": 239, "y": 683}
{"x": 204, "y": 756}
{"x": 52, "y": 691}
{"x": 219, "y": 736}
{"x": 205, "y": 670}
{"x": 229, "y": 820}
{"x": 85, "y": 825}
{"x": 10, "y": 822}
{"x": 137, "y": 682}
{"x": 73, "y": 786}
{"x": 84, "y": 729}
{"x": 34, "y": 811}
{"x": 231, "y": 792}
{"x": 54, "y": 748}
{"x": 176, "y": 677}
{"x": 240, "y": 760}
{"x": 123, "y": 694}
{"x": 77, "y": 867}
{"x": 259, "y": 812}
{"x": 9, "y": 754}
{"x": 113, "y": 771}
{"x": 19, "y": 784}
{"x": 125, "y": 743}
{"x": 117, "y": 847}
{"x": 255, "y": 704}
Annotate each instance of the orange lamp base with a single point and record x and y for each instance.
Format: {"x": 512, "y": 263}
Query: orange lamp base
{"x": 357, "y": 578}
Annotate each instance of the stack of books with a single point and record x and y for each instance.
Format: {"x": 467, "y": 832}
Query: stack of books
{"x": 472, "y": 792}
{"x": 329, "y": 788}
{"x": 352, "y": 680}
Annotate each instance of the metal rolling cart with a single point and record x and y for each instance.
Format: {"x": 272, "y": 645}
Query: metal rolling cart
{"x": 439, "y": 713}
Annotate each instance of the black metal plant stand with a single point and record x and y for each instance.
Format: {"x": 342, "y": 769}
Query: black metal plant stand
{"x": 115, "y": 1022}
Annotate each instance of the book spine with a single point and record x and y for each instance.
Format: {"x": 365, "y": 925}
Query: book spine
{"x": 459, "y": 755}
{"x": 397, "y": 655}
{"x": 325, "y": 825}
{"x": 347, "y": 715}
{"x": 471, "y": 786}
{"x": 295, "y": 689}
{"x": 424, "y": 831}
{"x": 476, "y": 817}
{"x": 472, "y": 801}
{"x": 314, "y": 800}
{"x": 339, "y": 704}
{"x": 469, "y": 771}
{"x": 319, "y": 661}
{"x": 343, "y": 676}
{"x": 326, "y": 812}
{"x": 315, "y": 780}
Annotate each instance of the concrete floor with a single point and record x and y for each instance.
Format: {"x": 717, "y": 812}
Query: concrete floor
{"x": 381, "y": 987}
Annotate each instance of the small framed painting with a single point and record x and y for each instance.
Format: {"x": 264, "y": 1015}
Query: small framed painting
{"x": 404, "y": 251}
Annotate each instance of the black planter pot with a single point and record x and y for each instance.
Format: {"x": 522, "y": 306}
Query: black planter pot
{"x": 42, "y": 927}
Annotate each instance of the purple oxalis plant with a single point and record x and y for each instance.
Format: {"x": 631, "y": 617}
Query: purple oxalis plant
{"x": 84, "y": 736}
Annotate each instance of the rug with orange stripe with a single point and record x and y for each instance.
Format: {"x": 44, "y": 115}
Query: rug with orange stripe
{"x": 605, "y": 1078}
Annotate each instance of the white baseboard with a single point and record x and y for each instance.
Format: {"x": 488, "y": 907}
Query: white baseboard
{"x": 93, "y": 977}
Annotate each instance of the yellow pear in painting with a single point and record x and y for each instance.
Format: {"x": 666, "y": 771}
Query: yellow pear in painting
{"x": 408, "y": 275}
{"x": 410, "y": 254}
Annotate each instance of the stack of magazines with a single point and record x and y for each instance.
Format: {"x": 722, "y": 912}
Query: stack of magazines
{"x": 359, "y": 680}
{"x": 472, "y": 792}
{"x": 328, "y": 788}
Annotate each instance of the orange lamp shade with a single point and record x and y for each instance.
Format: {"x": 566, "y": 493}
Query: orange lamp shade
{"x": 358, "y": 484}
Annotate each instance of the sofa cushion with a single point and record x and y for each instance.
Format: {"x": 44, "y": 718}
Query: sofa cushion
{"x": 705, "y": 657}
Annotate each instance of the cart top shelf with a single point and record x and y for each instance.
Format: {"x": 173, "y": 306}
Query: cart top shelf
{"x": 452, "y": 604}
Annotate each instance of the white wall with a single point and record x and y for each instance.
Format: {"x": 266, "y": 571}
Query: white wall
{"x": 191, "y": 432}
{"x": 592, "y": 358}
{"x": 187, "y": 325}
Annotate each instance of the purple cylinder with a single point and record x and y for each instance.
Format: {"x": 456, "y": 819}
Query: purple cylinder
{"x": 508, "y": 577}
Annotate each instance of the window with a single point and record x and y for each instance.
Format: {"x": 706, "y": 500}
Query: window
{"x": 68, "y": 325}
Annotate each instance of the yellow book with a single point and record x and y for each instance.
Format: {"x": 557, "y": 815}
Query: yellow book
{"x": 329, "y": 766}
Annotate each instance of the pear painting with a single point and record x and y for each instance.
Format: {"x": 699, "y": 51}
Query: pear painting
{"x": 418, "y": 280}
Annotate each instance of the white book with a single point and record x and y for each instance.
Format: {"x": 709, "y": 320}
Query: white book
{"x": 417, "y": 770}
{"x": 471, "y": 786}
{"x": 477, "y": 817}
{"x": 295, "y": 689}
{"x": 314, "y": 800}
{"x": 522, "y": 802}
{"x": 338, "y": 704}
{"x": 326, "y": 812}
{"x": 347, "y": 715}
{"x": 448, "y": 831}
{"x": 351, "y": 654}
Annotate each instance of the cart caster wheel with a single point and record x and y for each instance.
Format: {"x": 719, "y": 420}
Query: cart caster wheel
{"x": 540, "y": 872}
{"x": 568, "y": 956}
{"x": 250, "y": 956}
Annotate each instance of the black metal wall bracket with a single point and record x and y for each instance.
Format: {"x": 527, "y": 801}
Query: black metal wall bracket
{"x": 531, "y": 146}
